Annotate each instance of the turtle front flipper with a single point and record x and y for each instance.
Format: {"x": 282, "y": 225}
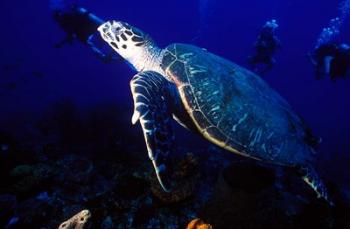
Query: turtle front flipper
{"x": 310, "y": 176}
{"x": 150, "y": 91}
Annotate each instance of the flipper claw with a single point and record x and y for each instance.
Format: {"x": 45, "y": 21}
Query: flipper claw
{"x": 310, "y": 176}
{"x": 135, "y": 117}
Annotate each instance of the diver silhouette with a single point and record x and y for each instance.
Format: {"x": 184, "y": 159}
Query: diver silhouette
{"x": 80, "y": 24}
{"x": 331, "y": 60}
{"x": 330, "y": 57}
{"x": 265, "y": 46}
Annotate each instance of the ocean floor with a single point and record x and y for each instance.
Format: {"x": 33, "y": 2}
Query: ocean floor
{"x": 96, "y": 162}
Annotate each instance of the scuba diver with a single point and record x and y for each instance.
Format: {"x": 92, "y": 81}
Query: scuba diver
{"x": 332, "y": 60}
{"x": 81, "y": 25}
{"x": 266, "y": 45}
{"x": 330, "y": 57}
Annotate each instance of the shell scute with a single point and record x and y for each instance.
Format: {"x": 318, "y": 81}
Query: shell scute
{"x": 230, "y": 104}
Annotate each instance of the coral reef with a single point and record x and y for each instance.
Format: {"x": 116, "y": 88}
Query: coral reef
{"x": 48, "y": 182}
{"x": 29, "y": 178}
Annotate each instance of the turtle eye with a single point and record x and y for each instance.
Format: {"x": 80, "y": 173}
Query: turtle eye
{"x": 117, "y": 30}
{"x": 109, "y": 36}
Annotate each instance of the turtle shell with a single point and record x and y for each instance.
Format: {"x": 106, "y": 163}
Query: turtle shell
{"x": 234, "y": 108}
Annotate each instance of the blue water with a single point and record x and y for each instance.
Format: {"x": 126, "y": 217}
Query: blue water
{"x": 34, "y": 74}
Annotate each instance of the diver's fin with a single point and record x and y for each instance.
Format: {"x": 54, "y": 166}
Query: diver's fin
{"x": 151, "y": 96}
{"x": 310, "y": 176}
{"x": 311, "y": 58}
{"x": 327, "y": 64}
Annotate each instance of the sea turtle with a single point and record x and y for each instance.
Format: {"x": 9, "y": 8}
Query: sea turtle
{"x": 228, "y": 105}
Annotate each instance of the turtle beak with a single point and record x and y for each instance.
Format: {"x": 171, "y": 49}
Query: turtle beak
{"x": 110, "y": 29}
{"x": 105, "y": 31}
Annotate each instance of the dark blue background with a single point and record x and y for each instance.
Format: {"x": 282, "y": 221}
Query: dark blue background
{"x": 228, "y": 28}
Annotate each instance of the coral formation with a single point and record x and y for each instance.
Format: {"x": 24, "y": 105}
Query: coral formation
{"x": 198, "y": 224}
{"x": 120, "y": 190}
{"x": 78, "y": 221}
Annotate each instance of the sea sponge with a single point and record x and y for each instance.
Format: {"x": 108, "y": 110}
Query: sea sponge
{"x": 198, "y": 224}
{"x": 78, "y": 221}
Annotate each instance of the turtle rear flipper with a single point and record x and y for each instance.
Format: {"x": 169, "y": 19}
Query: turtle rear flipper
{"x": 310, "y": 176}
{"x": 150, "y": 91}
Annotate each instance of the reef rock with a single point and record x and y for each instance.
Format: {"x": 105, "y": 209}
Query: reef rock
{"x": 29, "y": 179}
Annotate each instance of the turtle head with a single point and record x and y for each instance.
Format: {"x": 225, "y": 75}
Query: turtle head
{"x": 126, "y": 40}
